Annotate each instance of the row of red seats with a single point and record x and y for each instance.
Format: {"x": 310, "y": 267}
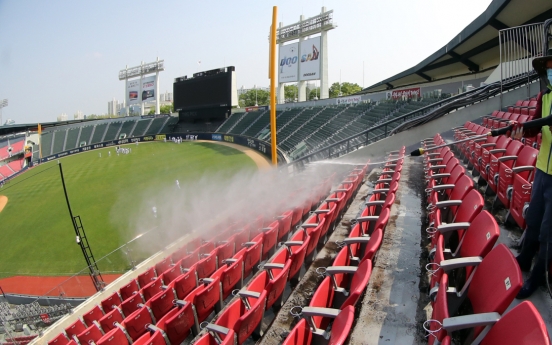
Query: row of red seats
{"x": 16, "y": 147}
{"x": 465, "y": 266}
{"x": 196, "y": 279}
{"x": 506, "y": 165}
{"x": 499, "y": 119}
{"x": 337, "y": 295}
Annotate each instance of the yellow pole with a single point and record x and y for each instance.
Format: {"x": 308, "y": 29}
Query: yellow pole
{"x": 39, "y": 141}
{"x": 272, "y": 66}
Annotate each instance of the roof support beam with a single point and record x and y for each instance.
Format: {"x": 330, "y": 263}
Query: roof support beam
{"x": 389, "y": 86}
{"x": 497, "y": 24}
{"x": 423, "y": 75}
{"x": 472, "y": 66}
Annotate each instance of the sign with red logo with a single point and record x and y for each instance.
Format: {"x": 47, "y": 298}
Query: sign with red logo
{"x": 407, "y": 93}
{"x": 45, "y": 318}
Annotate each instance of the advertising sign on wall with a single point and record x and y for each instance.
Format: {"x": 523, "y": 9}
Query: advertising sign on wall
{"x": 309, "y": 61}
{"x": 289, "y": 63}
{"x": 148, "y": 90}
{"x": 407, "y": 93}
{"x": 348, "y": 100}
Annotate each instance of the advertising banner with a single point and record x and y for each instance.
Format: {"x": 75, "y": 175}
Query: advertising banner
{"x": 257, "y": 108}
{"x": 289, "y": 66}
{"x": 348, "y": 100}
{"x": 408, "y": 93}
{"x": 148, "y": 90}
{"x": 309, "y": 63}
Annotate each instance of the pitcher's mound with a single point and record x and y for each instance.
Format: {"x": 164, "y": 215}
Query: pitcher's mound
{"x": 3, "y": 202}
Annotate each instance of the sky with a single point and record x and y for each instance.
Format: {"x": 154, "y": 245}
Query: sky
{"x": 64, "y": 56}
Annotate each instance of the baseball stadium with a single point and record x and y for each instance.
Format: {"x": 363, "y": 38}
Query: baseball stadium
{"x": 414, "y": 211}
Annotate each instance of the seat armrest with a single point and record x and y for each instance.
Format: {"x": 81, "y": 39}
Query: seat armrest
{"x": 480, "y": 139}
{"x": 309, "y": 225}
{"x": 321, "y": 211}
{"x": 443, "y": 187}
{"x": 247, "y": 293}
{"x": 445, "y": 228}
{"x": 217, "y": 329}
{"x": 325, "y": 312}
{"x": 382, "y": 180}
{"x": 448, "y": 203}
{"x": 352, "y": 240}
{"x": 488, "y": 145}
{"x": 433, "y": 167}
{"x": 448, "y": 265}
{"x": 332, "y": 199}
{"x": 507, "y": 158}
{"x": 523, "y": 168}
{"x": 331, "y": 270}
{"x": 268, "y": 266}
{"x": 497, "y": 151}
{"x": 249, "y": 244}
{"x": 434, "y": 160}
{"x": 367, "y": 219}
{"x": 374, "y": 203}
{"x": 293, "y": 243}
{"x": 451, "y": 324}
{"x": 381, "y": 190}
{"x": 439, "y": 175}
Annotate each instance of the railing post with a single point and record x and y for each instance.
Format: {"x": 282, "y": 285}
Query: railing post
{"x": 366, "y": 142}
{"x": 348, "y": 141}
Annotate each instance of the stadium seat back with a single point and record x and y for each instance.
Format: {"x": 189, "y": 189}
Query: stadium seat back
{"x": 163, "y": 265}
{"x": 284, "y": 224}
{"x": 207, "y": 265}
{"x": 185, "y": 283}
{"x": 92, "y": 315}
{"x": 276, "y": 286}
{"x": 128, "y": 290}
{"x": 322, "y": 298}
{"x": 301, "y": 334}
{"x": 107, "y": 322}
{"x": 178, "y": 323}
{"x": 92, "y": 333}
{"x": 342, "y": 325}
{"x": 114, "y": 337}
{"x": 75, "y": 328}
{"x": 161, "y": 303}
{"x": 231, "y": 275}
{"x": 225, "y": 250}
{"x": 131, "y": 304}
{"x": 359, "y": 282}
{"x": 152, "y": 288}
{"x": 135, "y": 324}
{"x": 147, "y": 277}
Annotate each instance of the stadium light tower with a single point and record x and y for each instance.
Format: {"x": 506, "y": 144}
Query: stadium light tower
{"x": 137, "y": 93}
{"x": 3, "y": 105}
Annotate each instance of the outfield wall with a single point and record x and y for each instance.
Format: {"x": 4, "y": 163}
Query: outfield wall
{"x": 259, "y": 145}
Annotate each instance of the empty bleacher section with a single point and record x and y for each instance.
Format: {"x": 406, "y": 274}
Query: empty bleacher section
{"x": 126, "y": 129}
{"x": 140, "y": 128}
{"x": 169, "y": 125}
{"x": 86, "y": 135}
{"x": 156, "y": 125}
{"x": 112, "y": 130}
{"x": 46, "y": 143}
{"x": 59, "y": 140}
{"x": 305, "y": 129}
{"x": 72, "y": 136}
{"x": 99, "y": 132}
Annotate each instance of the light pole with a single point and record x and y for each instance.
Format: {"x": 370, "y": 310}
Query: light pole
{"x": 3, "y": 105}
{"x": 256, "y": 103}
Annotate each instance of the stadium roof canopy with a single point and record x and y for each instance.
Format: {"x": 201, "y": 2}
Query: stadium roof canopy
{"x": 475, "y": 49}
{"x": 17, "y": 128}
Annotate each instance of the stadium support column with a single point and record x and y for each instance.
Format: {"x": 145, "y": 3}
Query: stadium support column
{"x": 272, "y": 66}
{"x": 157, "y": 89}
{"x": 140, "y": 93}
{"x": 281, "y": 93}
{"x": 324, "y": 91}
{"x": 127, "y": 106}
{"x": 302, "y": 84}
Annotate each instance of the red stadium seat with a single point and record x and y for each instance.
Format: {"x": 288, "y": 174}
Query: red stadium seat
{"x": 273, "y": 279}
{"x": 284, "y": 225}
{"x": 92, "y": 315}
{"x": 178, "y": 323}
{"x": 60, "y": 339}
{"x": 129, "y": 290}
{"x": 135, "y": 324}
{"x": 207, "y": 265}
{"x": 155, "y": 338}
{"x": 116, "y": 336}
{"x": 75, "y": 328}
{"x": 523, "y": 164}
{"x": 131, "y": 304}
{"x": 504, "y": 157}
{"x": 92, "y": 333}
{"x": 147, "y": 277}
{"x": 302, "y": 333}
{"x": 152, "y": 288}
{"x": 210, "y": 339}
{"x": 161, "y": 303}
{"x": 232, "y": 274}
{"x": 184, "y": 284}
{"x": 108, "y": 321}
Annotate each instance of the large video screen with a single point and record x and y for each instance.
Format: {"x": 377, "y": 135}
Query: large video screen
{"x": 203, "y": 92}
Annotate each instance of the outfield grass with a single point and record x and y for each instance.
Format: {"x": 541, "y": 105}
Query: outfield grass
{"x": 36, "y": 234}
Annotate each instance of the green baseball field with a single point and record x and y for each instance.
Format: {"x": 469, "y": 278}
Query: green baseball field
{"x": 117, "y": 197}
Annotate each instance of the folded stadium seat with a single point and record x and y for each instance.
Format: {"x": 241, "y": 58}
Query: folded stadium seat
{"x": 232, "y": 274}
{"x": 207, "y": 265}
{"x": 297, "y": 215}
{"x": 484, "y": 156}
{"x": 213, "y": 336}
{"x": 60, "y": 339}
{"x": 244, "y": 315}
{"x": 476, "y": 153}
{"x": 374, "y": 206}
{"x": 443, "y": 188}
{"x": 147, "y": 277}
{"x": 440, "y": 161}
{"x": 486, "y": 118}
{"x": 116, "y": 336}
{"x": 75, "y": 328}
{"x": 523, "y": 163}
{"x": 131, "y": 304}
{"x": 512, "y": 108}
{"x": 455, "y": 191}
{"x": 155, "y": 338}
{"x": 439, "y": 174}
{"x": 495, "y": 283}
{"x": 284, "y": 225}
{"x": 162, "y": 266}
{"x": 184, "y": 283}
{"x": 313, "y": 229}
{"x": 465, "y": 147}
{"x": 177, "y": 324}
{"x": 322, "y": 217}
{"x": 304, "y": 333}
{"x": 225, "y": 250}
{"x": 329, "y": 211}
{"x": 468, "y": 208}
{"x": 273, "y": 279}
{"x": 270, "y": 237}
{"x": 339, "y": 291}
{"x": 339, "y": 199}
{"x": 521, "y": 195}
{"x": 506, "y": 329}
{"x": 432, "y": 141}
{"x": 241, "y": 236}
{"x": 207, "y": 297}
{"x": 152, "y": 288}
{"x": 368, "y": 223}
{"x": 107, "y": 322}
{"x": 129, "y": 290}
{"x": 478, "y": 240}
{"x": 172, "y": 273}
{"x": 361, "y": 246}
{"x": 160, "y": 304}
{"x": 501, "y": 156}
{"x": 135, "y": 324}
{"x": 295, "y": 250}
{"x": 92, "y": 315}
{"x": 252, "y": 251}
